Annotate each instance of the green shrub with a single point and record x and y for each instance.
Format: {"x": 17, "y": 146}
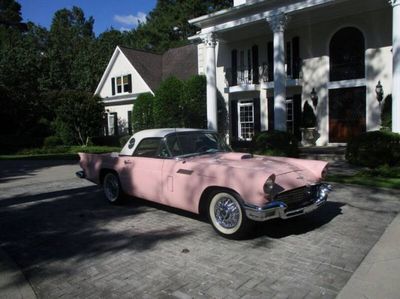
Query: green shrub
{"x": 79, "y": 117}
{"x": 142, "y": 113}
{"x": 167, "y": 104}
{"x": 373, "y": 149}
{"x": 308, "y": 119}
{"x": 105, "y": 140}
{"x": 123, "y": 140}
{"x": 387, "y": 113}
{"x": 194, "y": 102}
{"x": 275, "y": 143}
{"x": 52, "y": 141}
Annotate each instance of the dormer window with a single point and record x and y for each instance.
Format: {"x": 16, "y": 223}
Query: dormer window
{"x": 121, "y": 84}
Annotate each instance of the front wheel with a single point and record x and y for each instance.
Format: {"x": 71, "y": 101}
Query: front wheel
{"x": 227, "y": 216}
{"x": 112, "y": 188}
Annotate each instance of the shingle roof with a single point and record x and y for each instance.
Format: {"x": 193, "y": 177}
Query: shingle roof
{"x": 147, "y": 64}
{"x": 179, "y": 62}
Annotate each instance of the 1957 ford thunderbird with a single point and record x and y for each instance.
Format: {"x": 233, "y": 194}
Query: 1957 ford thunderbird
{"x": 196, "y": 171}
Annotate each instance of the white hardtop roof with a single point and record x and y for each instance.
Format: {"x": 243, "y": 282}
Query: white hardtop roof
{"x": 154, "y": 133}
{"x": 161, "y": 132}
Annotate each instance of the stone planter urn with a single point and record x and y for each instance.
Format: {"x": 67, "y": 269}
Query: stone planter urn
{"x": 309, "y": 136}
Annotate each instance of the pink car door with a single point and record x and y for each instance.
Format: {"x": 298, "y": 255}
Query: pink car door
{"x": 141, "y": 176}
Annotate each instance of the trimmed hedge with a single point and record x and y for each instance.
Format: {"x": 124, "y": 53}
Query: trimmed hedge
{"x": 275, "y": 143}
{"x": 373, "y": 149}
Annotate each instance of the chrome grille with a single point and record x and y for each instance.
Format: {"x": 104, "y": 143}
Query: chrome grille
{"x": 298, "y": 197}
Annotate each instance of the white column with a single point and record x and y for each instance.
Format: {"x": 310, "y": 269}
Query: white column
{"x": 278, "y": 24}
{"x": 396, "y": 67}
{"x": 210, "y": 43}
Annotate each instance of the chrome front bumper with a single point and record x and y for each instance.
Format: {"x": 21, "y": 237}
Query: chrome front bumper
{"x": 278, "y": 209}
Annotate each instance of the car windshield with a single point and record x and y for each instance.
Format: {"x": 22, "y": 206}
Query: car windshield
{"x": 185, "y": 144}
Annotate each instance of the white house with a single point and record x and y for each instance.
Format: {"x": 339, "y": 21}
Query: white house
{"x": 130, "y": 73}
{"x": 267, "y": 57}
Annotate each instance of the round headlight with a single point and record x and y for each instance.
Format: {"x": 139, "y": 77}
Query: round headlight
{"x": 269, "y": 185}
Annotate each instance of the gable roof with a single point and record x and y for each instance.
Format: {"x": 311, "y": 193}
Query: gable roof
{"x": 148, "y": 65}
{"x": 153, "y": 68}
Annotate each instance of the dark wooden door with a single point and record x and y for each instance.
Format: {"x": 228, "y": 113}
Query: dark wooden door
{"x": 347, "y": 113}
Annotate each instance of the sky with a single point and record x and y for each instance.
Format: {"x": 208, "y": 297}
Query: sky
{"x": 119, "y": 14}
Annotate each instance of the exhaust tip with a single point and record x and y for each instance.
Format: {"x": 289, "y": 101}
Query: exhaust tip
{"x": 80, "y": 174}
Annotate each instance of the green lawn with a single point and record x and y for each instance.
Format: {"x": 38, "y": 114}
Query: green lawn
{"x": 383, "y": 177}
{"x": 58, "y": 153}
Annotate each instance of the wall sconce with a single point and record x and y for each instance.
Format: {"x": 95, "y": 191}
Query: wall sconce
{"x": 379, "y": 92}
{"x": 314, "y": 97}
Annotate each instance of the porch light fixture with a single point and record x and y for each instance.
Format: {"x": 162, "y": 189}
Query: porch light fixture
{"x": 379, "y": 92}
{"x": 314, "y": 97}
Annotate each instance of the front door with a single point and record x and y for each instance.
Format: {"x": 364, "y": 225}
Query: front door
{"x": 347, "y": 113}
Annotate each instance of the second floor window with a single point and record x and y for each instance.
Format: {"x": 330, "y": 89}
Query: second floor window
{"x": 121, "y": 84}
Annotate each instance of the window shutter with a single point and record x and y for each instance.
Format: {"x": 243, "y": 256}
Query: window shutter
{"x": 234, "y": 67}
{"x": 115, "y": 114}
{"x": 249, "y": 74}
{"x": 257, "y": 115}
{"x": 270, "y": 53}
{"x": 296, "y": 57}
{"x": 130, "y": 122}
{"x": 289, "y": 59}
{"x": 129, "y": 83}
{"x": 271, "y": 114}
{"x": 254, "y": 50}
{"x": 234, "y": 121}
{"x": 113, "y": 86}
{"x": 297, "y": 115}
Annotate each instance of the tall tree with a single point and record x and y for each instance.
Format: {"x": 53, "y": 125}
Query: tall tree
{"x": 71, "y": 37}
{"x": 167, "y": 24}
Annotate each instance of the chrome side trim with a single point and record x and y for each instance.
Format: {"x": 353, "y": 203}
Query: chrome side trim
{"x": 277, "y": 209}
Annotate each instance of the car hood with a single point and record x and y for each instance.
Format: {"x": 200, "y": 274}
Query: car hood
{"x": 277, "y": 165}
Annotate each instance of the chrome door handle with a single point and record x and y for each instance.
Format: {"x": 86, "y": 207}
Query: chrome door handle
{"x": 127, "y": 162}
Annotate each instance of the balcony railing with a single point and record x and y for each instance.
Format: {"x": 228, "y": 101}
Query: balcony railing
{"x": 246, "y": 75}
{"x": 263, "y": 73}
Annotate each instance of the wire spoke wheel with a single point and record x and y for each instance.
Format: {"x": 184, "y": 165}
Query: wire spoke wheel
{"x": 111, "y": 187}
{"x": 227, "y": 215}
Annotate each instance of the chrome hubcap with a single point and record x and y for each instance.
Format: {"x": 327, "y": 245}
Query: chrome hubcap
{"x": 111, "y": 187}
{"x": 227, "y": 212}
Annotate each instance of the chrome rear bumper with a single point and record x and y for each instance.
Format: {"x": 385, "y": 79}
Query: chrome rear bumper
{"x": 278, "y": 209}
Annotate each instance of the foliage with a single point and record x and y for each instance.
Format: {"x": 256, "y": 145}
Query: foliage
{"x": 167, "y": 24}
{"x": 373, "y": 149}
{"x": 79, "y": 117}
{"x": 194, "y": 103}
{"x": 383, "y": 177}
{"x": 52, "y": 141}
{"x": 275, "y": 143}
{"x": 105, "y": 140}
{"x": 36, "y": 64}
{"x": 387, "y": 113}
{"x": 142, "y": 113}
{"x": 167, "y": 110}
{"x": 308, "y": 119}
{"x": 123, "y": 140}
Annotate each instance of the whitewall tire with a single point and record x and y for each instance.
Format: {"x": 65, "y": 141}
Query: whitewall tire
{"x": 227, "y": 215}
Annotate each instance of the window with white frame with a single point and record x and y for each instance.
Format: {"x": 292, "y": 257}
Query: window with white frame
{"x": 289, "y": 115}
{"x": 246, "y": 119}
{"x": 121, "y": 84}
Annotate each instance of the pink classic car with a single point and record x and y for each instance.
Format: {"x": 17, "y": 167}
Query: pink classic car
{"x": 196, "y": 171}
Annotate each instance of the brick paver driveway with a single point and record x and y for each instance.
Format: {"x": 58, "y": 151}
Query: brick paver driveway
{"x": 70, "y": 243}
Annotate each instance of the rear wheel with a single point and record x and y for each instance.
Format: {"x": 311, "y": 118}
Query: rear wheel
{"x": 112, "y": 188}
{"x": 227, "y": 216}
